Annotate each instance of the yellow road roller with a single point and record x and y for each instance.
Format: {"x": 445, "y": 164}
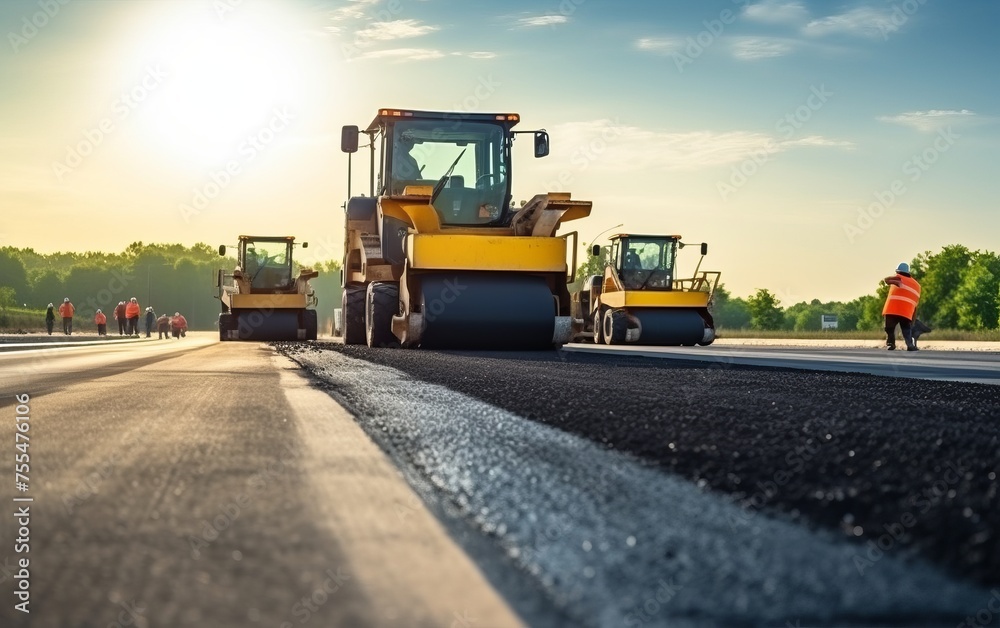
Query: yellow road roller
{"x": 263, "y": 298}
{"x": 437, "y": 255}
{"x": 640, "y": 300}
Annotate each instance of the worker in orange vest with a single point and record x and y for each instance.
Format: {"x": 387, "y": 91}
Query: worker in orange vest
{"x": 900, "y": 306}
{"x": 132, "y": 316}
{"x": 66, "y": 311}
{"x": 179, "y": 325}
{"x": 102, "y": 323}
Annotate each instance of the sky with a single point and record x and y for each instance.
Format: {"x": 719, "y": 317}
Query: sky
{"x": 813, "y": 145}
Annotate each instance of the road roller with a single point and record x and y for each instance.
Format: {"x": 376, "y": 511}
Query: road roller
{"x": 437, "y": 255}
{"x": 263, "y": 298}
{"x": 640, "y": 300}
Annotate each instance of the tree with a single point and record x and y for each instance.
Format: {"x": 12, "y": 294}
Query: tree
{"x": 939, "y": 276}
{"x": 729, "y": 312}
{"x": 975, "y": 298}
{"x": 47, "y": 288}
{"x": 765, "y": 312}
{"x": 8, "y": 298}
{"x": 13, "y": 274}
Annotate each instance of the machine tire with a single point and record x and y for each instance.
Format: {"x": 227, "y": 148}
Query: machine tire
{"x": 381, "y": 303}
{"x": 225, "y": 324}
{"x": 598, "y": 328}
{"x": 615, "y": 327}
{"x": 354, "y": 315}
{"x": 311, "y": 323}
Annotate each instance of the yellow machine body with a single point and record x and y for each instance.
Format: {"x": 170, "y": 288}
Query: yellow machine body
{"x": 438, "y": 263}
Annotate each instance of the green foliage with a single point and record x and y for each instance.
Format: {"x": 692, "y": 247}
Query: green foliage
{"x": 939, "y": 276}
{"x": 8, "y": 298}
{"x": 592, "y": 265}
{"x": 765, "y": 312}
{"x": 729, "y": 312}
{"x": 977, "y": 294}
{"x": 13, "y": 274}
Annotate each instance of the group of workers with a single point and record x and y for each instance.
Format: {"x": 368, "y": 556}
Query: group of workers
{"x": 127, "y": 314}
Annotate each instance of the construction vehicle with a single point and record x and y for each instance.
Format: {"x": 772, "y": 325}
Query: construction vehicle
{"x": 437, "y": 255}
{"x": 639, "y": 300}
{"x": 262, "y": 299}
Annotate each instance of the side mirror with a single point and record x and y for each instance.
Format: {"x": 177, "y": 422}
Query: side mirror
{"x": 595, "y": 251}
{"x": 222, "y": 250}
{"x": 704, "y": 248}
{"x": 305, "y": 245}
{"x": 541, "y": 143}
{"x": 349, "y": 139}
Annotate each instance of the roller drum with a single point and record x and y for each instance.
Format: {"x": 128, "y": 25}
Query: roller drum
{"x": 669, "y": 326}
{"x": 268, "y": 325}
{"x": 486, "y": 311}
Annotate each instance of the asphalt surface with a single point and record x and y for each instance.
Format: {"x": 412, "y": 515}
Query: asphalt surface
{"x": 896, "y": 470}
{"x": 198, "y": 483}
{"x": 982, "y": 367}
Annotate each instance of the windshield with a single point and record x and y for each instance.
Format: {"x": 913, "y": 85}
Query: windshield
{"x": 268, "y": 265}
{"x": 465, "y": 162}
{"x": 647, "y": 263}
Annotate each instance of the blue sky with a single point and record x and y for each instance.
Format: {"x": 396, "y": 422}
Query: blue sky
{"x": 800, "y": 139}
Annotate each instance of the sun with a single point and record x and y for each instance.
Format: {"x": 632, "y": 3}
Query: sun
{"x": 224, "y": 79}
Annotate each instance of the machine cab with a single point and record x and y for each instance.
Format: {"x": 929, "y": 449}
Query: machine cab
{"x": 644, "y": 262}
{"x": 264, "y": 264}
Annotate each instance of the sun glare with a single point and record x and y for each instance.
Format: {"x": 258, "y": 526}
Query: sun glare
{"x": 224, "y": 80}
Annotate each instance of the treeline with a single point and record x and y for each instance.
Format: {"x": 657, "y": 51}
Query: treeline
{"x": 960, "y": 289}
{"x": 169, "y": 277}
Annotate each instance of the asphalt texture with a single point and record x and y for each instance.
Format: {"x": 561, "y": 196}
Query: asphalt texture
{"x": 897, "y": 471}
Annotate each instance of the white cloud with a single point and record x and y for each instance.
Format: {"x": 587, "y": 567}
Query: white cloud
{"x": 612, "y": 147}
{"x": 930, "y": 120}
{"x": 397, "y": 29}
{"x": 776, "y": 12}
{"x": 354, "y": 10}
{"x": 401, "y": 55}
{"x": 542, "y": 20}
{"x": 860, "y": 21}
{"x": 752, "y": 48}
{"x": 661, "y": 45}
{"x": 479, "y": 54}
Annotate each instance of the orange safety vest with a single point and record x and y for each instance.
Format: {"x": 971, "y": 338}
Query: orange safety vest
{"x": 131, "y": 310}
{"x": 100, "y": 318}
{"x": 903, "y": 297}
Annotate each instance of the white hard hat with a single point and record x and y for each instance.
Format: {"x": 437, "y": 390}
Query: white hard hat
{"x": 66, "y": 300}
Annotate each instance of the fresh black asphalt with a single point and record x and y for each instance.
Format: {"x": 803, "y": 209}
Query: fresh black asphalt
{"x": 900, "y": 467}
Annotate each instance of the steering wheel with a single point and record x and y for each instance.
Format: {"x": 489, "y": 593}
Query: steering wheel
{"x": 479, "y": 180}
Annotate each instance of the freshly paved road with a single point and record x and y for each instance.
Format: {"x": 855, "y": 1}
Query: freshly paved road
{"x": 959, "y": 366}
{"x": 197, "y": 483}
{"x": 895, "y": 479}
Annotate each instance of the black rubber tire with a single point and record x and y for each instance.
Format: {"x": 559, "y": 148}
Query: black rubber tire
{"x": 354, "y": 315}
{"x": 381, "y": 303}
{"x": 615, "y": 327}
{"x": 225, "y": 324}
{"x": 598, "y": 327}
{"x": 311, "y": 323}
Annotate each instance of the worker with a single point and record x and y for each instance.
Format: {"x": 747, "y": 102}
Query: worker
{"x": 163, "y": 326}
{"x": 66, "y": 311}
{"x": 404, "y": 165}
{"x": 150, "y": 320}
{"x": 101, "y": 320}
{"x": 132, "y": 317}
{"x": 179, "y": 324}
{"x": 900, "y": 306}
{"x": 120, "y": 317}
{"x": 50, "y": 318}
